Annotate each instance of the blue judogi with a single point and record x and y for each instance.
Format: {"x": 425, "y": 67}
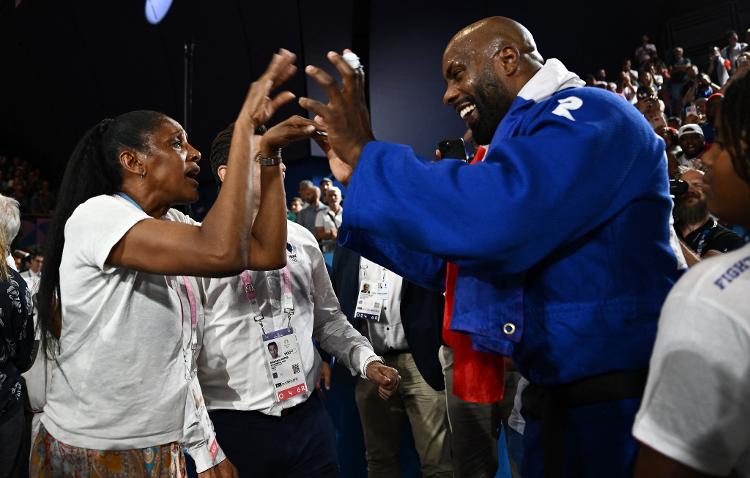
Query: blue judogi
{"x": 561, "y": 235}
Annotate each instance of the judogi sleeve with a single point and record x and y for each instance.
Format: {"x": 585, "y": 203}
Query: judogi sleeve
{"x": 551, "y": 184}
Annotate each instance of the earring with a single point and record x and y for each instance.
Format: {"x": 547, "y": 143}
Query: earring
{"x": 143, "y": 174}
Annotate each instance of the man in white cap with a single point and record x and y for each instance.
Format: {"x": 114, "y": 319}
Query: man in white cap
{"x": 693, "y": 143}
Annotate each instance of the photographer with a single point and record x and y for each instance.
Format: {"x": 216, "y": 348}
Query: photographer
{"x": 701, "y": 87}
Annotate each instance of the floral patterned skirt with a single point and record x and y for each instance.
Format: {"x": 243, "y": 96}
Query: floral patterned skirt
{"x": 53, "y": 458}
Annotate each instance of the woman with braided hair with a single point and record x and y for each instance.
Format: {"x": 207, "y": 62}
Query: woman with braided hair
{"x": 117, "y": 309}
{"x": 694, "y": 417}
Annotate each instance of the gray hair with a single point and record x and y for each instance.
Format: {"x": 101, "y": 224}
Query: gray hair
{"x": 10, "y": 217}
{"x": 306, "y": 183}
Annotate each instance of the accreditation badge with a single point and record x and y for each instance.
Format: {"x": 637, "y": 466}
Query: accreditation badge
{"x": 369, "y": 301}
{"x": 284, "y": 364}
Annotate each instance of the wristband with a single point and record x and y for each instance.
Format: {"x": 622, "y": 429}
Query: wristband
{"x": 274, "y": 160}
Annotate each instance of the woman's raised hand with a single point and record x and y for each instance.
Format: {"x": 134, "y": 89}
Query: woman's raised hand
{"x": 259, "y": 107}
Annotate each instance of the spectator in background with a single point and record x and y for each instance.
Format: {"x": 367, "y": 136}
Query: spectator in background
{"x": 648, "y": 103}
{"x": 647, "y": 80}
{"x": 678, "y": 78}
{"x": 307, "y": 216}
{"x": 327, "y": 223}
{"x": 627, "y": 88}
{"x": 718, "y": 67}
{"x": 671, "y": 142}
{"x": 711, "y": 110}
{"x": 294, "y": 208}
{"x": 10, "y": 224}
{"x": 700, "y": 86}
{"x": 601, "y": 78}
{"x": 733, "y": 50}
{"x": 674, "y": 122}
{"x": 694, "y": 415}
{"x": 691, "y": 115}
{"x": 16, "y": 356}
{"x": 627, "y": 67}
{"x": 693, "y": 143}
{"x": 33, "y": 274}
{"x": 694, "y": 226}
{"x": 304, "y": 185}
{"x": 645, "y": 52}
{"x": 656, "y": 74}
{"x": 325, "y": 185}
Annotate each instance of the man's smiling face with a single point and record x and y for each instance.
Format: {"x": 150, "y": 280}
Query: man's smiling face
{"x": 473, "y": 88}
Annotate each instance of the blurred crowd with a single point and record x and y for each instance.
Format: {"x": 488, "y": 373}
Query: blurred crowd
{"x": 26, "y": 184}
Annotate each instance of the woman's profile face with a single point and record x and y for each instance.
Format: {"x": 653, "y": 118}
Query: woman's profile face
{"x": 728, "y": 195}
{"x": 172, "y": 164}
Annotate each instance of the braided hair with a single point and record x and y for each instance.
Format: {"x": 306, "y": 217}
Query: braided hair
{"x": 735, "y": 125}
{"x": 92, "y": 170}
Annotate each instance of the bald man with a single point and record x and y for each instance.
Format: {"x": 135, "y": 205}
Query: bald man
{"x": 570, "y": 277}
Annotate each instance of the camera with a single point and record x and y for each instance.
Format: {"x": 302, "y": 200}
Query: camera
{"x": 677, "y": 187}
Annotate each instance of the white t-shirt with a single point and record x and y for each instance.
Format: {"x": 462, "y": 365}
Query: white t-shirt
{"x": 696, "y": 408}
{"x": 329, "y": 221}
{"x": 122, "y": 377}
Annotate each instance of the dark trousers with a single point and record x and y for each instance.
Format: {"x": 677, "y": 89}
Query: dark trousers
{"x": 14, "y": 451}
{"x": 299, "y": 444}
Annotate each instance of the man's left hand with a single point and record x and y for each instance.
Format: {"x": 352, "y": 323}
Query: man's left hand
{"x": 385, "y": 377}
{"x": 346, "y": 118}
{"x": 225, "y": 469}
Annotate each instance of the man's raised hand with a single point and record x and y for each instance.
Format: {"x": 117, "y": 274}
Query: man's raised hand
{"x": 345, "y": 116}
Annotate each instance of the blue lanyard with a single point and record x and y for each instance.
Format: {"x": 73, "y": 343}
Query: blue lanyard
{"x": 702, "y": 240}
{"x": 130, "y": 200}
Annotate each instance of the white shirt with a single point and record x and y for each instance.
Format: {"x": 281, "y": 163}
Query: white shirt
{"x": 32, "y": 280}
{"x": 696, "y": 407}
{"x": 124, "y": 364}
{"x": 731, "y": 53}
{"x": 11, "y": 262}
{"x": 387, "y": 333}
{"x": 231, "y": 364}
{"x": 329, "y": 221}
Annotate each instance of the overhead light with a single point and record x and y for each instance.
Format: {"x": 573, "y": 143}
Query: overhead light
{"x": 156, "y": 10}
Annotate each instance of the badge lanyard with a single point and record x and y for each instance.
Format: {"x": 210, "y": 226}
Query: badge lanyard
{"x": 283, "y": 361}
{"x": 200, "y": 405}
{"x": 129, "y": 199}
{"x": 287, "y": 300}
{"x": 702, "y": 241}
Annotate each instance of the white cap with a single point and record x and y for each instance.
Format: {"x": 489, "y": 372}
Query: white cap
{"x": 690, "y": 129}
